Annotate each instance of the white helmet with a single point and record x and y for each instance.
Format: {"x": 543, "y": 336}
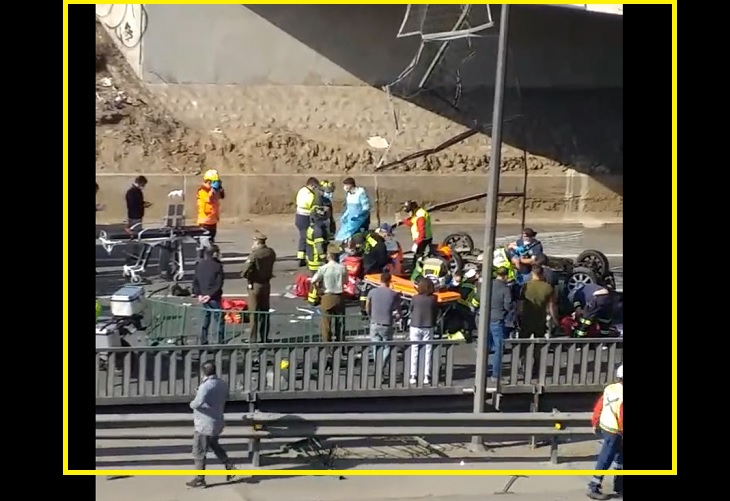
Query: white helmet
{"x": 620, "y": 372}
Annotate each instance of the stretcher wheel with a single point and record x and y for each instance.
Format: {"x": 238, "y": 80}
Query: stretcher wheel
{"x": 579, "y": 277}
{"x": 460, "y": 243}
{"x": 595, "y": 260}
{"x": 135, "y": 279}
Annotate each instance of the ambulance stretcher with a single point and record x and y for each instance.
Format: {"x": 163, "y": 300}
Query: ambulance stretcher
{"x": 149, "y": 238}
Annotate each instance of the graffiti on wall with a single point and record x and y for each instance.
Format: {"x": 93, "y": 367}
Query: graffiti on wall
{"x": 127, "y": 21}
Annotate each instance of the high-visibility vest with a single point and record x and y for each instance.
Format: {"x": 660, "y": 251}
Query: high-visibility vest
{"x": 421, "y": 213}
{"x": 613, "y": 399}
{"x": 316, "y": 250}
{"x": 305, "y": 200}
{"x": 469, "y": 296}
{"x": 209, "y": 206}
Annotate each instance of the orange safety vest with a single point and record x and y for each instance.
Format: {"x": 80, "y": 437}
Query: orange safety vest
{"x": 209, "y": 206}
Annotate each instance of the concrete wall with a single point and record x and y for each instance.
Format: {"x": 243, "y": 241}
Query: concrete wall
{"x": 569, "y": 198}
{"x": 357, "y": 44}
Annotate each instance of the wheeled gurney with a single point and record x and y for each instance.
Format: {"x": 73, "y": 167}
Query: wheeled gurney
{"x": 170, "y": 238}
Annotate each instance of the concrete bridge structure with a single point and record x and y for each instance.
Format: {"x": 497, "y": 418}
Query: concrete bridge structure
{"x": 318, "y": 73}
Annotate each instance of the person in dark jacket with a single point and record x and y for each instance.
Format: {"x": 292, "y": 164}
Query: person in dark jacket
{"x": 136, "y": 203}
{"x": 208, "y": 287}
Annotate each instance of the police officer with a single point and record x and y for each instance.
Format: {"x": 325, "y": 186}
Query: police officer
{"x": 259, "y": 271}
{"x": 307, "y": 197}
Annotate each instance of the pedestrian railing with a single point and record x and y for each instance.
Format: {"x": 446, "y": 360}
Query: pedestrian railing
{"x": 559, "y": 365}
{"x": 315, "y": 429}
{"x": 181, "y": 322}
{"x": 162, "y": 374}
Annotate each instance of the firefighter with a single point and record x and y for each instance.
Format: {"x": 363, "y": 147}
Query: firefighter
{"x": 608, "y": 422}
{"x": 592, "y": 304}
{"x": 316, "y": 240}
{"x": 419, "y": 221}
{"x": 209, "y": 198}
{"x": 375, "y": 253}
{"x": 465, "y": 283}
{"x": 327, "y": 190}
{"x": 307, "y": 197}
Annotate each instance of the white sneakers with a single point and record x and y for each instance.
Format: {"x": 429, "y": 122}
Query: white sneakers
{"x": 413, "y": 380}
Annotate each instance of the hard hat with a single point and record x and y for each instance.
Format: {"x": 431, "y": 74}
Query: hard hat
{"x": 211, "y": 175}
{"x": 327, "y": 186}
{"x": 284, "y": 364}
{"x": 620, "y": 372}
{"x": 410, "y": 205}
{"x": 470, "y": 273}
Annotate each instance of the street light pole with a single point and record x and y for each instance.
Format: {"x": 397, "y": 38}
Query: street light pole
{"x": 495, "y": 160}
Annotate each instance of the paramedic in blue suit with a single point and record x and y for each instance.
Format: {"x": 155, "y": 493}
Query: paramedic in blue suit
{"x": 356, "y": 218}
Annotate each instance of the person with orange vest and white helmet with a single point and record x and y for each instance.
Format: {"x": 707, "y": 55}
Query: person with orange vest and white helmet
{"x": 608, "y": 421}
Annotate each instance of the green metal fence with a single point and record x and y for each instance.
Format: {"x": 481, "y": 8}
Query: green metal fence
{"x": 171, "y": 321}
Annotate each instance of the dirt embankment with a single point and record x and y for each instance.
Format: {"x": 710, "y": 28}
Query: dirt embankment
{"x": 135, "y": 133}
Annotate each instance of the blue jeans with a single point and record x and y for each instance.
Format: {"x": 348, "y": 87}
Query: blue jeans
{"x": 381, "y": 333}
{"x": 612, "y": 451}
{"x": 495, "y": 346}
{"x": 213, "y": 312}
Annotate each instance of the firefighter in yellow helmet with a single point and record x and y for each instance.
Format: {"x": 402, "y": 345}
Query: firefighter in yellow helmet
{"x": 327, "y": 190}
{"x": 209, "y": 198}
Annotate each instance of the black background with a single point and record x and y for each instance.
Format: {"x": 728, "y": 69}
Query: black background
{"x": 647, "y": 186}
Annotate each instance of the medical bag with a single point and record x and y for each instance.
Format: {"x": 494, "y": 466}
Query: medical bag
{"x": 353, "y": 265}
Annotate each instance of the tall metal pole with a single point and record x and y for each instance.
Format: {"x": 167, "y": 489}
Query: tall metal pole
{"x": 495, "y": 160}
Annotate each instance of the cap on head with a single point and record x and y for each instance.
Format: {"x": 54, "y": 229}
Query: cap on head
{"x": 620, "y": 372}
{"x": 211, "y": 175}
{"x": 258, "y": 236}
{"x": 470, "y": 273}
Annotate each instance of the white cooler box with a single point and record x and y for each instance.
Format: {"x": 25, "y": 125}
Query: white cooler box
{"x": 128, "y": 302}
{"x": 107, "y": 336}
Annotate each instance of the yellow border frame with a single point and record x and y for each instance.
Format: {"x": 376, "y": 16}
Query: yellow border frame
{"x": 352, "y": 473}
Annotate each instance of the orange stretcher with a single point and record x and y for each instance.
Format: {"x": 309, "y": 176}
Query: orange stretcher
{"x": 407, "y": 288}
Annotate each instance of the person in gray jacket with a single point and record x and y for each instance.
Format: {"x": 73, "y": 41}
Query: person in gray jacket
{"x": 208, "y": 407}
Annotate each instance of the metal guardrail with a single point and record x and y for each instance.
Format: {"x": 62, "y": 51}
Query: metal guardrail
{"x": 168, "y": 374}
{"x": 260, "y": 426}
{"x": 171, "y": 374}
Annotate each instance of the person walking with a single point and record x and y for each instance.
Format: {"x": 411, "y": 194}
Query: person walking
{"x": 208, "y": 287}
{"x": 501, "y": 307}
{"x": 259, "y": 271}
{"x": 608, "y": 422}
{"x": 208, "y": 418}
{"x": 423, "y": 312}
{"x": 382, "y": 305}
{"x": 331, "y": 277}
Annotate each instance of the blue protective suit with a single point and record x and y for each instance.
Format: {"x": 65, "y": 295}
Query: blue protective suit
{"x": 357, "y": 214}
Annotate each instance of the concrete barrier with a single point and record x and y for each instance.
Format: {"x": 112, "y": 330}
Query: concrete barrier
{"x": 569, "y": 197}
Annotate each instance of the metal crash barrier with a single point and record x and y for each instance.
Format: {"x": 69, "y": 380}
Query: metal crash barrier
{"x": 352, "y": 369}
{"x": 317, "y": 428}
{"x": 169, "y": 374}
